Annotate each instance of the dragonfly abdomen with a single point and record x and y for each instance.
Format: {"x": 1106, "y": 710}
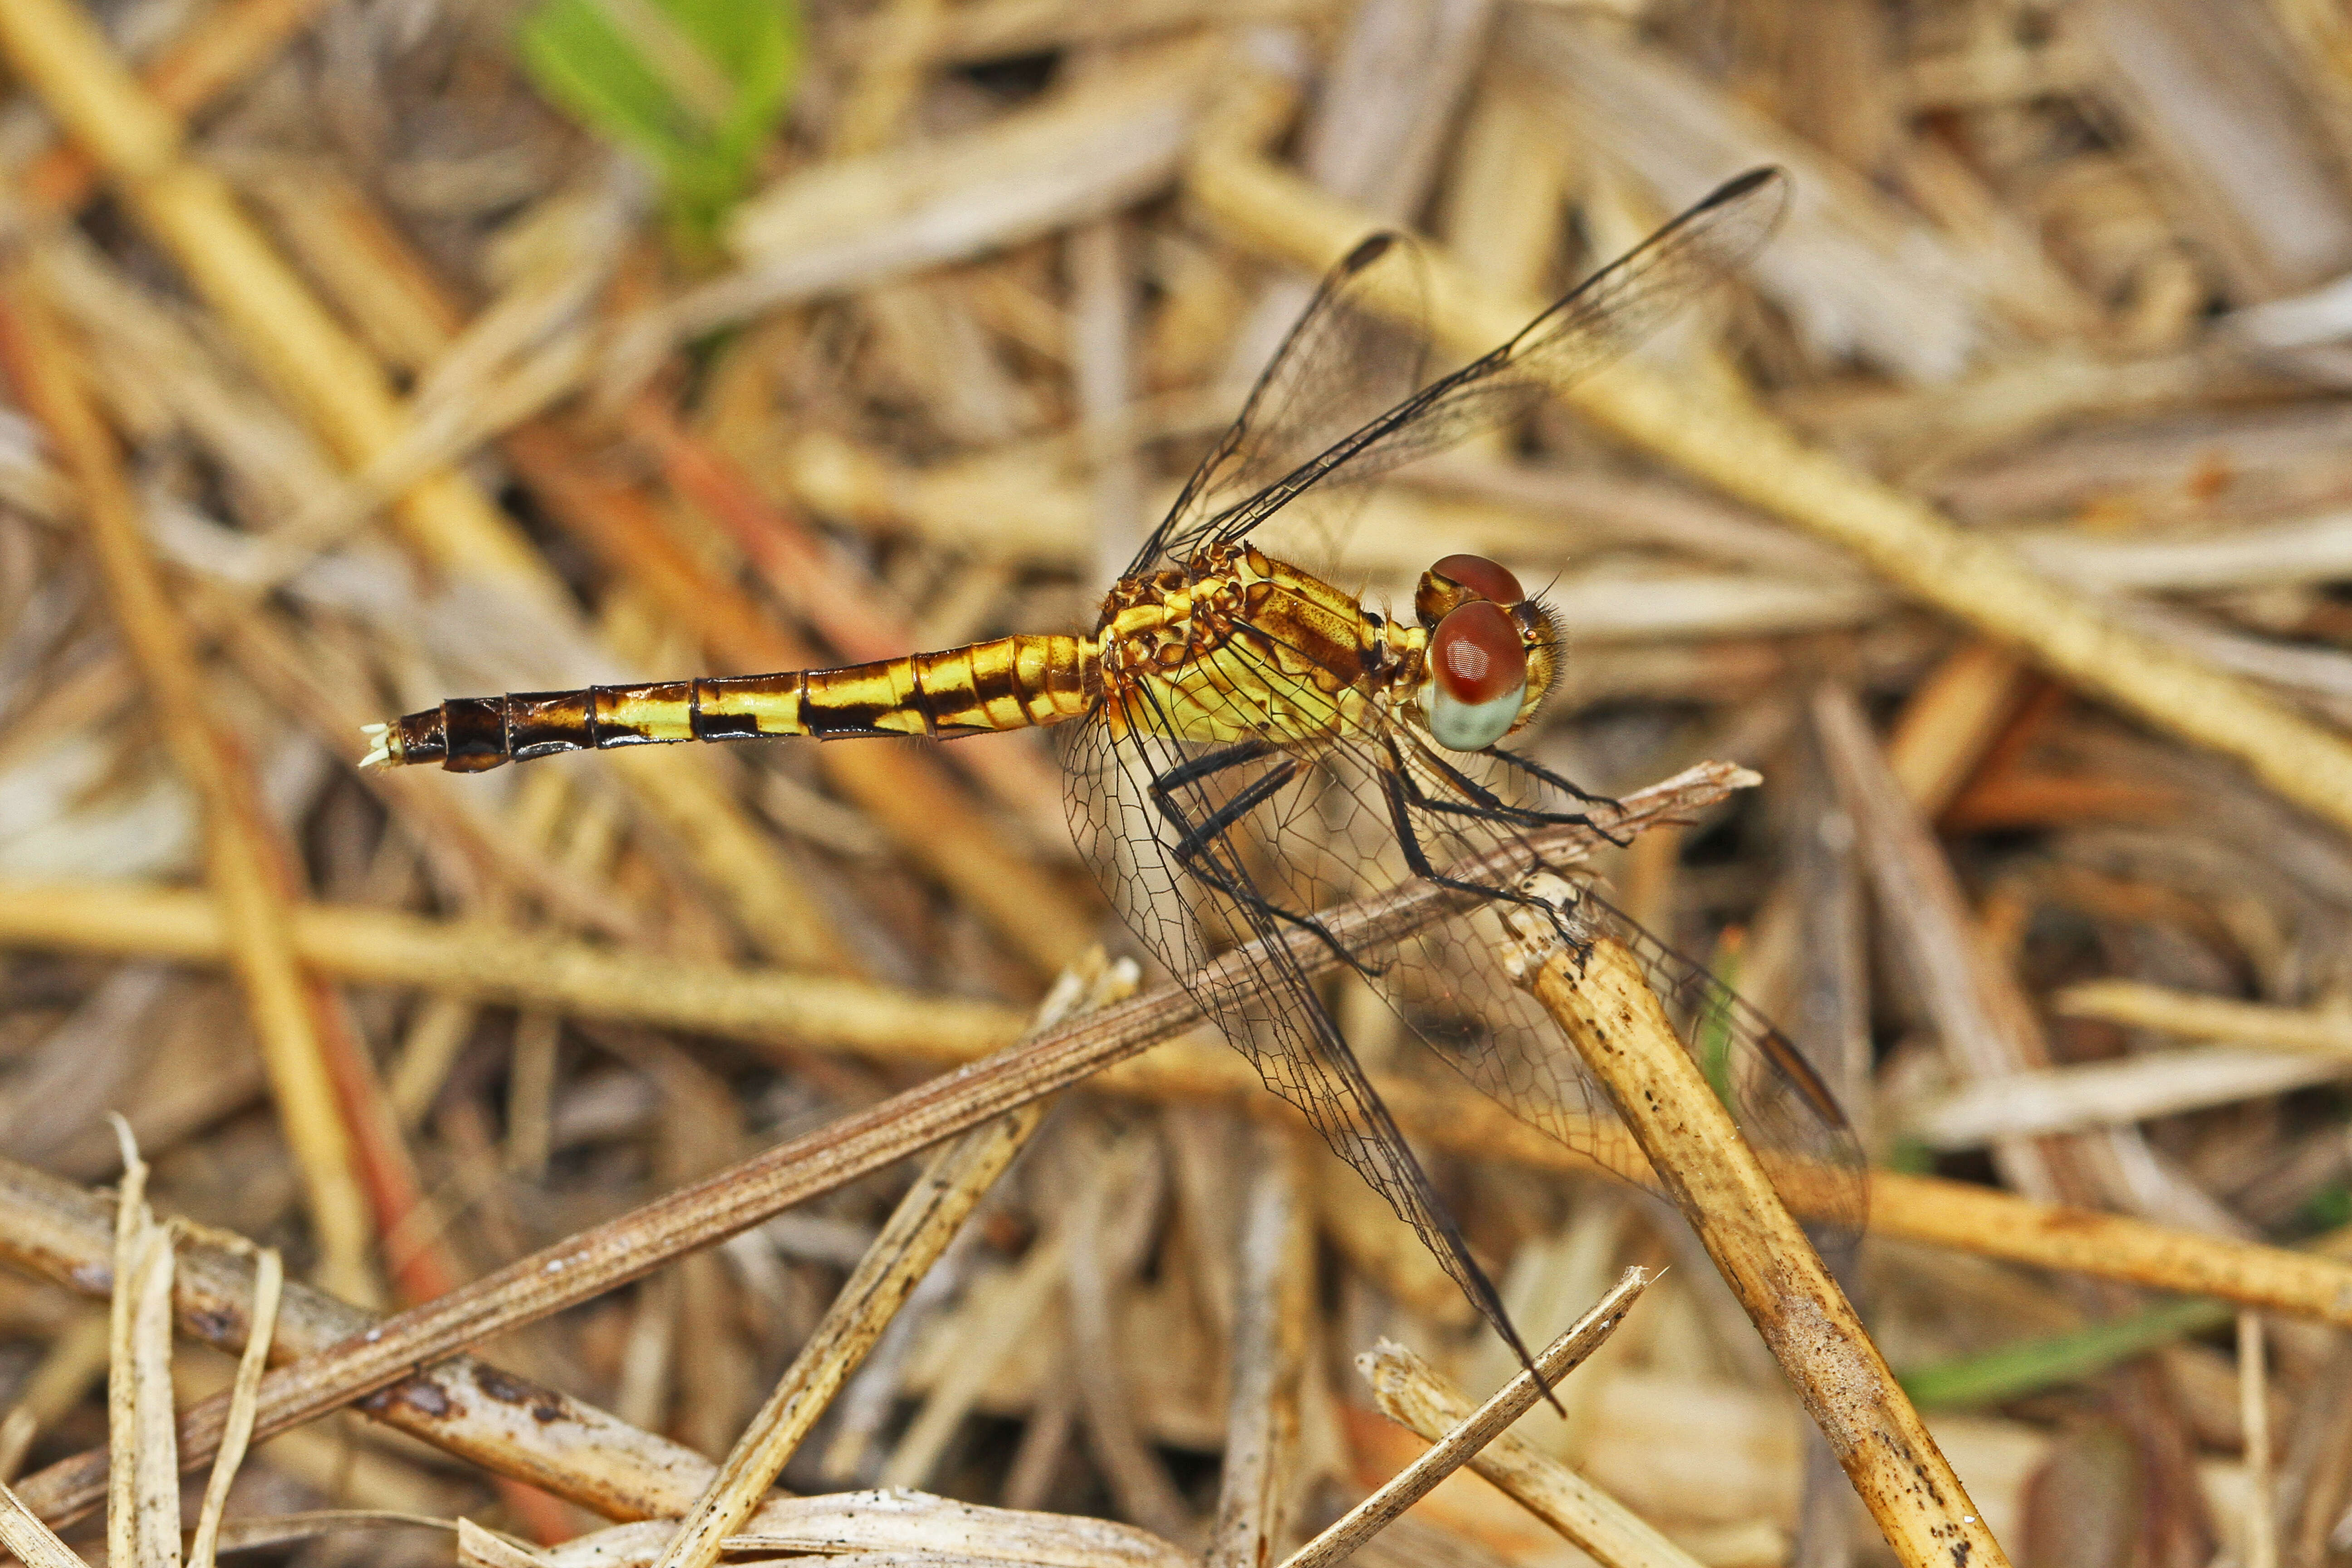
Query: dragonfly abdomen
{"x": 1007, "y": 683}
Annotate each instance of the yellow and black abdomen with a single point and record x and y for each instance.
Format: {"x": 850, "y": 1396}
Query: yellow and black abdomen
{"x": 1009, "y": 683}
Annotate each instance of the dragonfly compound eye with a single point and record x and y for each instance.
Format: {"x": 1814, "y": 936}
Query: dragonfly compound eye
{"x": 1458, "y": 579}
{"x": 1477, "y": 677}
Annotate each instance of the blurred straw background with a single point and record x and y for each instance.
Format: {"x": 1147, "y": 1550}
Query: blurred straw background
{"x": 362, "y": 352}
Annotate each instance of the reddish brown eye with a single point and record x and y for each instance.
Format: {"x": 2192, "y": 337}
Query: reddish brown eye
{"x": 1482, "y": 577}
{"x": 1478, "y": 677}
{"x": 1477, "y": 653}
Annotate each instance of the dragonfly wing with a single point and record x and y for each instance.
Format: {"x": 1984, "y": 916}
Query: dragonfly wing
{"x": 1599, "y": 320}
{"x": 1192, "y": 877}
{"x": 1785, "y": 1110}
{"x": 1357, "y": 350}
{"x": 1447, "y": 984}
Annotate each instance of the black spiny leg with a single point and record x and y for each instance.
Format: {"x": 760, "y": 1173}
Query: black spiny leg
{"x": 1402, "y": 796}
{"x": 1196, "y": 843}
{"x": 1210, "y": 763}
{"x": 1523, "y": 815}
{"x": 1484, "y": 805}
{"x": 1197, "y": 837}
{"x": 1558, "y": 782}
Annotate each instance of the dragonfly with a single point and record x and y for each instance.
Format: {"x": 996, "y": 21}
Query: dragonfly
{"x": 1244, "y": 744}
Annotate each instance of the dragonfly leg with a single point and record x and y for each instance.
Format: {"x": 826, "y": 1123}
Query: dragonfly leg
{"x": 1487, "y": 805}
{"x": 1403, "y": 796}
{"x": 1210, "y": 764}
{"x": 1196, "y": 843}
{"x": 1197, "y": 837}
{"x": 1498, "y": 809}
{"x": 1558, "y": 781}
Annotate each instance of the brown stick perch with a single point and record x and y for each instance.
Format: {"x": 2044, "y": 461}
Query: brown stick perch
{"x": 1598, "y": 997}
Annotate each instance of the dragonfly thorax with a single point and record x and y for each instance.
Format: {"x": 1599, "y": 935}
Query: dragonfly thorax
{"x": 1234, "y": 645}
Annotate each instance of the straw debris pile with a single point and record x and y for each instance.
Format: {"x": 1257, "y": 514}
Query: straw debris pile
{"x": 361, "y": 353}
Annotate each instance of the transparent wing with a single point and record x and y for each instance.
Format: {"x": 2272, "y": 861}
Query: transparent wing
{"x": 1441, "y": 809}
{"x": 1205, "y": 846}
{"x": 1342, "y": 364}
{"x": 1170, "y": 835}
{"x": 1603, "y": 317}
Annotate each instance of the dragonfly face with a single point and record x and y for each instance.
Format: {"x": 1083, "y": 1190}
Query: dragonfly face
{"x": 1492, "y": 652}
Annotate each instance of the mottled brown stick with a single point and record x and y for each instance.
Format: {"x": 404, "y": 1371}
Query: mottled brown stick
{"x": 1599, "y": 997}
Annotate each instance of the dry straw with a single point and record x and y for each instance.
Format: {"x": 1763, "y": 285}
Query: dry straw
{"x": 1470, "y": 1433}
{"x": 1413, "y": 1393}
{"x": 244, "y": 865}
{"x": 1748, "y": 455}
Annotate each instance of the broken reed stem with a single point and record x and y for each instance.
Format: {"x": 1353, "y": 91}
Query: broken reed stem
{"x": 1746, "y": 453}
{"x": 718, "y": 1206}
{"x": 2259, "y": 1547}
{"x": 268, "y": 1286}
{"x": 1453, "y": 1449}
{"x": 919, "y": 1230}
{"x": 486, "y": 962}
{"x": 35, "y": 1543}
{"x": 244, "y": 878}
{"x": 1600, "y": 998}
{"x": 1272, "y": 1312}
{"x": 1411, "y": 1392}
{"x": 143, "y": 1499}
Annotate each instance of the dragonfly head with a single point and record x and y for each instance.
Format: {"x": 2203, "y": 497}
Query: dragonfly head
{"x": 1491, "y": 652}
